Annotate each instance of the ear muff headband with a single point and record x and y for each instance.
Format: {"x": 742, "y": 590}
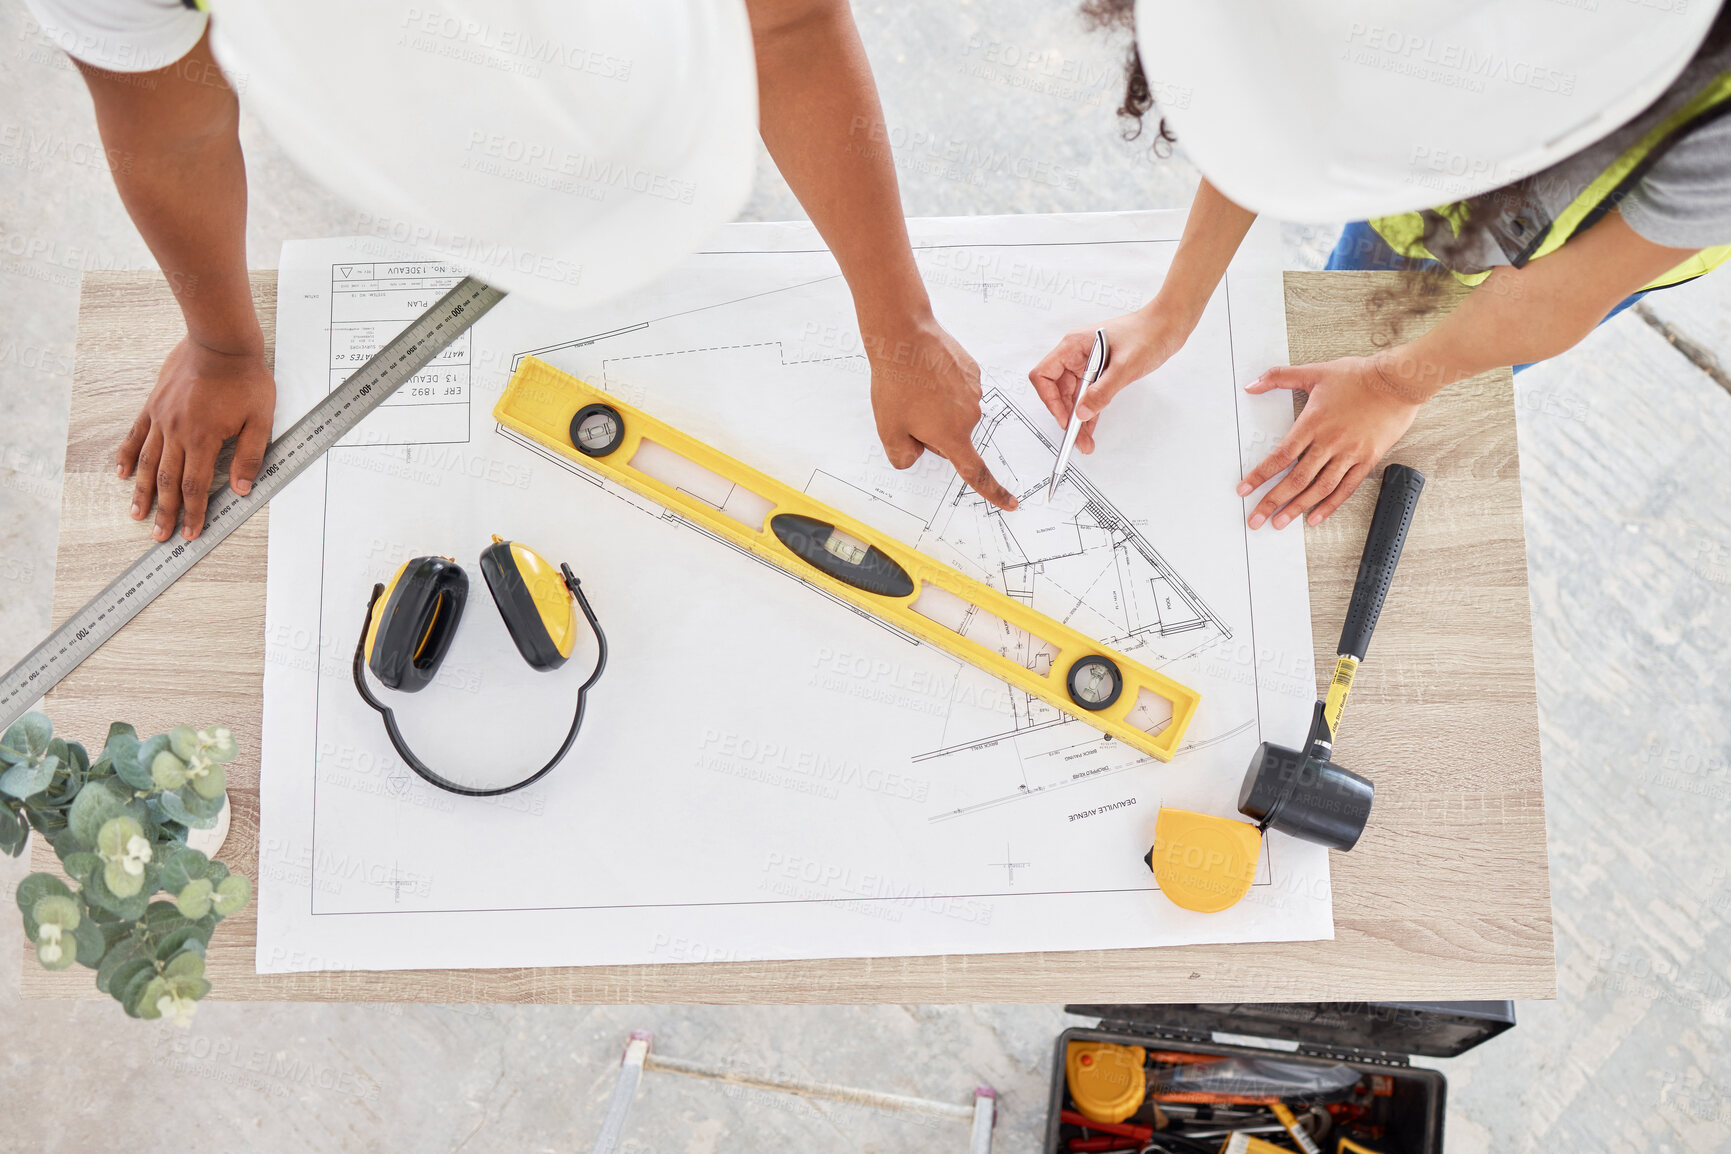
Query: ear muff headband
{"x": 436, "y": 634}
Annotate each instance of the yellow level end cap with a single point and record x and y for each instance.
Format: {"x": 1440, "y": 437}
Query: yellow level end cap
{"x": 1202, "y": 862}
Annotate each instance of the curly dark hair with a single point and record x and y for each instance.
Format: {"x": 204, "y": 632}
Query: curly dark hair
{"x": 1138, "y": 95}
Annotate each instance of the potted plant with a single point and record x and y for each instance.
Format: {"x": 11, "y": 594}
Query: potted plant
{"x": 119, "y": 826}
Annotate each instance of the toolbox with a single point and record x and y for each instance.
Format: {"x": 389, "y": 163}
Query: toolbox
{"x": 1393, "y": 1108}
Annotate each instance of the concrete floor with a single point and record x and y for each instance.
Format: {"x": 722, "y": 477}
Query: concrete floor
{"x": 1624, "y": 444}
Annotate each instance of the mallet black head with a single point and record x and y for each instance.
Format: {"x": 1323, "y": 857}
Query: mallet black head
{"x": 1306, "y": 797}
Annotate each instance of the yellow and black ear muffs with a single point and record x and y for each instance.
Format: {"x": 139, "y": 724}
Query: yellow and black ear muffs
{"x": 404, "y": 643}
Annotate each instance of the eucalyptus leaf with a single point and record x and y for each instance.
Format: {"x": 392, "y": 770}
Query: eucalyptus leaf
{"x": 186, "y": 807}
{"x": 174, "y": 808}
{"x": 119, "y": 727}
{"x": 231, "y": 894}
{"x": 46, "y": 822}
{"x": 121, "y": 882}
{"x": 37, "y": 886}
{"x": 14, "y": 834}
{"x": 116, "y": 835}
{"x": 163, "y": 918}
{"x": 183, "y": 739}
{"x": 96, "y": 804}
{"x": 186, "y": 964}
{"x": 31, "y": 891}
{"x": 140, "y": 993}
{"x": 146, "y": 754}
{"x": 151, "y": 746}
{"x": 61, "y": 839}
{"x": 81, "y": 865}
{"x": 194, "y": 900}
{"x": 56, "y": 910}
{"x": 123, "y": 959}
{"x": 200, "y": 806}
{"x": 27, "y": 779}
{"x": 122, "y": 751}
{"x": 91, "y": 943}
{"x": 77, "y": 767}
{"x": 112, "y": 924}
{"x": 211, "y": 783}
{"x": 57, "y": 953}
{"x": 29, "y": 735}
{"x": 98, "y": 893}
{"x": 182, "y": 866}
{"x": 172, "y": 942}
{"x": 219, "y": 743}
{"x": 167, "y": 771}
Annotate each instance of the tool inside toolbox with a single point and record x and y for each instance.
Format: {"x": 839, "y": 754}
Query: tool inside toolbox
{"x": 1131, "y": 1098}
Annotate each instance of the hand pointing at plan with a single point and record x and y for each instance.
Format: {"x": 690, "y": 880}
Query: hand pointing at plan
{"x": 926, "y": 394}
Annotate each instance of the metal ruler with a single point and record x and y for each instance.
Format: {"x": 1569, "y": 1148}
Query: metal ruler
{"x": 164, "y": 563}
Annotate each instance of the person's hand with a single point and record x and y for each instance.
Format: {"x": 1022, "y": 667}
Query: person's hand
{"x": 1138, "y": 343}
{"x": 1357, "y": 409}
{"x": 202, "y": 398}
{"x": 926, "y": 395}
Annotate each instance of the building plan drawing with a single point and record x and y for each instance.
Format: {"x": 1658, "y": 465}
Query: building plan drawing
{"x": 765, "y": 771}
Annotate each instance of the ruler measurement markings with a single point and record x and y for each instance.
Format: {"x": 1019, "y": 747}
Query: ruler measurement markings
{"x": 307, "y": 440}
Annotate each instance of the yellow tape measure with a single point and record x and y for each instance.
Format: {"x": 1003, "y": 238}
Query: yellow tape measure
{"x": 778, "y": 523}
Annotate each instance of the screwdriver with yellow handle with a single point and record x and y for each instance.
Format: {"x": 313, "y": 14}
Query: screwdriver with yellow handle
{"x": 1299, "y": 1135}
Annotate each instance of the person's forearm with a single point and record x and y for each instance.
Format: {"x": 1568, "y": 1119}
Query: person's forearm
{"x": 822, "y": 123}
{"x": 183, "y": 182}
{"x": 1504, "y": 321}
{"x": 1518, "y": 316}
{"x": 1212, "y": 233}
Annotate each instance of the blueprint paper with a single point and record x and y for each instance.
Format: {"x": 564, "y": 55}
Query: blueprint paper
{"x": 764, "y": 771}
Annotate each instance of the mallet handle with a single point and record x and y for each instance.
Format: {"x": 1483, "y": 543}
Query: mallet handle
{"x": 1401, "y": 485}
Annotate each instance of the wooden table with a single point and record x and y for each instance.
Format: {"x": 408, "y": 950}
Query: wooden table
{"x": 1447, "y": 895}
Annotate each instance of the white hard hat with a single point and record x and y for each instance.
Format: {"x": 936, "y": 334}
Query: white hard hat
{"x": 1329, "y": 110}
{"x": 570, "y": 150}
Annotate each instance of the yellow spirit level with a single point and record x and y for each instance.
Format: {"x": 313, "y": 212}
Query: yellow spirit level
{"x": 778, "y": 523}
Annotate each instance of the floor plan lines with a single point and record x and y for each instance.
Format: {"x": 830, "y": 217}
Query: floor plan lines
{"x": 820, "y": 782}
{"x": 1078, "y": 558}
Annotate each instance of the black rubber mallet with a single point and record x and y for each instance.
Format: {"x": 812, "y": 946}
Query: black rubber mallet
{"x": 1304, "y": 793}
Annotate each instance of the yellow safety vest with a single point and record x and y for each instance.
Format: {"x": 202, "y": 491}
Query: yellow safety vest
{"x": 1405, "y": 232}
